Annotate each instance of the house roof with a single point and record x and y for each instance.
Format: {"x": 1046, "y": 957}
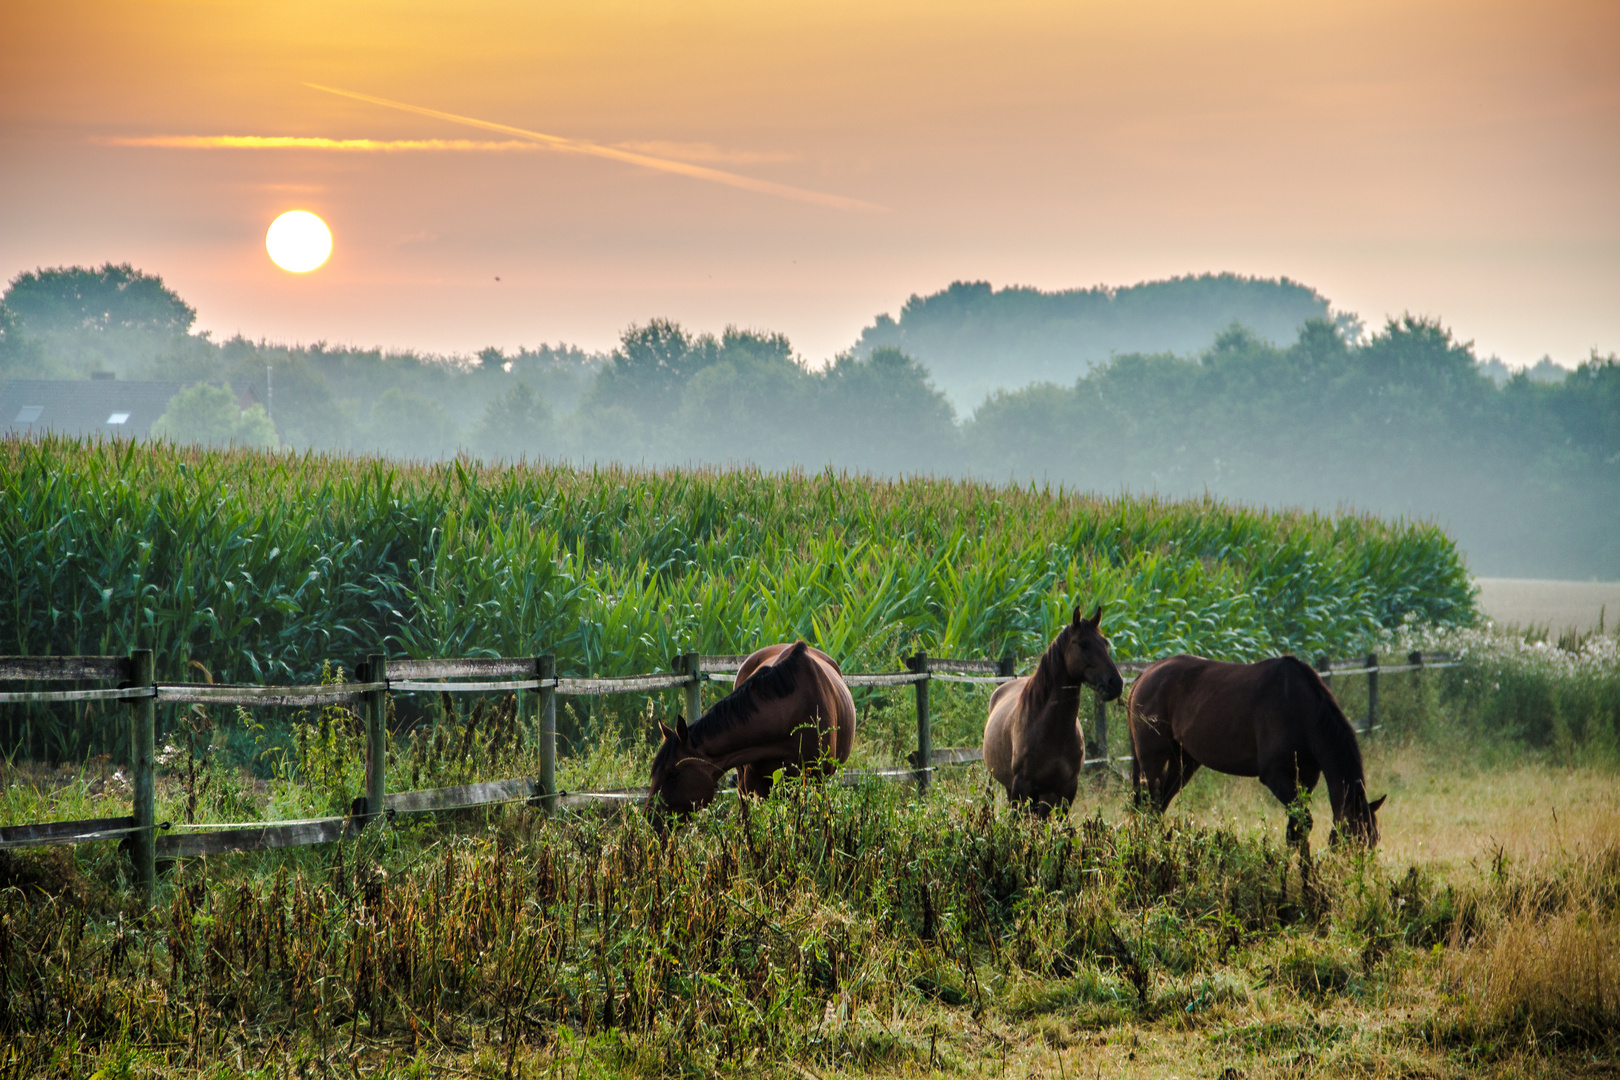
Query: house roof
{"x": 111, "y": 407}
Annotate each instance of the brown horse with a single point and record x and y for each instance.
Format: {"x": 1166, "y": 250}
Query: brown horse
{"x": 790, "y": 710}
{"x": 1275, "y": 720}
{"x": 1032, "y": 741}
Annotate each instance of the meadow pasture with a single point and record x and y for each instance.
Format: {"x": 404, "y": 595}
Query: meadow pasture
{"x": 831, "y": 930}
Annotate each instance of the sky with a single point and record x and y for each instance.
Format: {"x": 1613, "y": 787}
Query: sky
{"x": 801, "y": 167}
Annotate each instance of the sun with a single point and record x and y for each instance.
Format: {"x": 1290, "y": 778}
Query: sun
{"x": 298, "y": 241}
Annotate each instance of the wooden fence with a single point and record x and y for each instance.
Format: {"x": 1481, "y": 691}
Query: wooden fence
{"x": 379, "y": 676}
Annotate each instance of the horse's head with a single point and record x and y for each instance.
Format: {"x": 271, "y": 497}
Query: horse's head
{"x": 1086, "y": 655}
{"x": 1359, "y": 825}
{"x": 682, "y": 780}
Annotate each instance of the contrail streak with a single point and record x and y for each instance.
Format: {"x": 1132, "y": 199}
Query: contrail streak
{"x": 306, "y": 142}
{"x": 646, "y": 161}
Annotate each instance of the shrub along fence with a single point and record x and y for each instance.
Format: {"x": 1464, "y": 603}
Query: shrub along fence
{"x": 379, "y": 676}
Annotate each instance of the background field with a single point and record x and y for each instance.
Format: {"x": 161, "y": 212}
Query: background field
{"x": 1557, "y": 605}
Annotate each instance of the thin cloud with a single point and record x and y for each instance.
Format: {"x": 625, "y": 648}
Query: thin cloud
{"x": 708, "y": 152}
{"x": 646, "y": 161}
{"x": 304, "y": 142}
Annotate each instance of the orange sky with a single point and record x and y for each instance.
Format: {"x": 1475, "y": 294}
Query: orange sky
{"x": 1455, "y": 159}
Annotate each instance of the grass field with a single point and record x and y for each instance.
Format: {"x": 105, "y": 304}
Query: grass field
{"x": 836, "y": 931}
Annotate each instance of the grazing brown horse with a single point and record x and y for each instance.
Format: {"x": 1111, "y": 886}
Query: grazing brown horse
{"x": 790, "y": 710}
{"x": 1274, "y": 719}
{"x": 1032, "y": 741}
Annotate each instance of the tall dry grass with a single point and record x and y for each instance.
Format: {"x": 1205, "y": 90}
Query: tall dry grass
{"x": 1544, "y": 963}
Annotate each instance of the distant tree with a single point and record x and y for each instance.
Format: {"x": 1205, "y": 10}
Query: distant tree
{"x": 516, "y": 424}
{"x": 752, "y": 404}
{"x": 111, "y": 318}
{"x": 1587, "y": 404}
{"x": 649, "y": 370}
{"x": 210, "y": 416}
{"x": 308, "y": 411}
{"x": 975, "y": 339}
{"x": 184, "y": 365}
{"x": 24, "y": 357}
{"x": 405, "y": 425}
{"x": 558, "y": 373}
{"x": 885, "y": 415}
{"x": 1420, "y": 352}
{"x": 70, "y": 299}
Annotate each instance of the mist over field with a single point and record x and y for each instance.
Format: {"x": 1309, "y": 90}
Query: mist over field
{"x": 1251, "y": 390}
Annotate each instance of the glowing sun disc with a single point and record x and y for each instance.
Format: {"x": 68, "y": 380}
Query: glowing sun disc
{"x": 298, "y": 241}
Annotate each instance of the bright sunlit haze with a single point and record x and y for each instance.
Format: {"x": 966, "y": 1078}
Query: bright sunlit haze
{"x": 1451, "y": 160}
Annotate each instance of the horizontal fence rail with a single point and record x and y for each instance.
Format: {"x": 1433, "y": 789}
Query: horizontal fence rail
{"x": 65, "y": 832}
{"x": 379, "y": 676}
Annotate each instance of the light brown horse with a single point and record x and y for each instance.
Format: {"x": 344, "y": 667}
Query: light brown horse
{"x": 1276, "y": 720}
{"x": 1032, "y": 741}
{"x": 790, "y": 711}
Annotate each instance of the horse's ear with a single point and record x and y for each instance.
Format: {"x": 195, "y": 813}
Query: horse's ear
{"x": 681, "y": 731}
{"x": 1096, "y": 616}
{"x": 1373, "y": 806}
{"x": 664, "y": 730}
{"x": 1077, "y": 616}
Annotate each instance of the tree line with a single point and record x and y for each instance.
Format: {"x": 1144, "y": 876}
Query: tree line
{"x": 1406, "y": 421}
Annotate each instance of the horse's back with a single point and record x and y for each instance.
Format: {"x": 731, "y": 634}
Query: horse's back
{"x": 998, "y": 729}
{"x": 833, "y": 700}
{"x": 1225, "y": 716}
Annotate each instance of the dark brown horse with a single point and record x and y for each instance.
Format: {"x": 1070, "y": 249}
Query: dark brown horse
{"x": 1275, "y": 719}
{"x": 790, "y": 711}
{"x": 1032, "y": 741}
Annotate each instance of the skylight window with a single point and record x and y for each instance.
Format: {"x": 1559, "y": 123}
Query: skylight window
{"x": 29, "y": 413}
{"x": 118, "y": 418}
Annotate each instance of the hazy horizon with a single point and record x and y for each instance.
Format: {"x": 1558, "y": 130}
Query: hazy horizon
{"x": 1444, "y": 159}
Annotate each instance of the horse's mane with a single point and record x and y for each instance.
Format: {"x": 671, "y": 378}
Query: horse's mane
{"x": 1330, "y": 736}
{"x": 1049, "y": 673}
{"x": 768, "y": 683}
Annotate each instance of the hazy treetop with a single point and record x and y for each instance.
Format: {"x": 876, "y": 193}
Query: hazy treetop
{"x": 975, "y": 339}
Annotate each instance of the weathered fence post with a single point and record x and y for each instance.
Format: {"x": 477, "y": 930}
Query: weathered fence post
{"x": 1324, "y": 668}
{"x": 1372, "y": 692}
{"x": 376, "y": 703}
{"x": 1004, "y": 666}
{"x": 687, "y": 664}
{"x": 925, "y": 735}
{"x": 545, "y": 669}
{"x": 143, "y": 762}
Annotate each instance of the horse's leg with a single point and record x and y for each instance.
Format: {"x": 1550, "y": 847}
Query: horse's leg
{"x": 1018, "y": 792}
{"x": 1282, "y": 778}
{"x": 1152, "y": 756}
{"x": 1068, "y": 793}
{"x": 1178, "y": 769}
{"x": 1309, "y": 772}
{"x": 759, "y": 777}
{"x": 755, "y": 779}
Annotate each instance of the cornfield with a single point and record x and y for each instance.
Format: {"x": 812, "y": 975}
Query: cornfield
{"x": 258, "y": 567}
